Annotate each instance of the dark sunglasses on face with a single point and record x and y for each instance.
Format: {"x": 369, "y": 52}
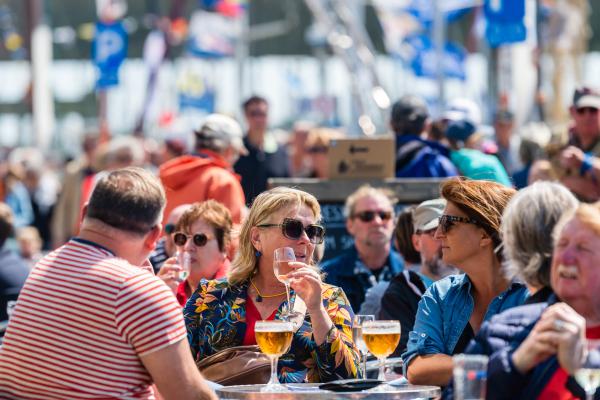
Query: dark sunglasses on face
{"x": 293, "y": 228}
{"x": 169, "y": 228}
{"x": 590, "y": 110}
{"x": 256, "y": 114}
{"x": 199, "y": 239}
{"x": 446, "y": 222}
{"x": 368, "y": 216}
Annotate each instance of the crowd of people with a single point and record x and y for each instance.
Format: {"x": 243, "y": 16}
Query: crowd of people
{"x": 141, "y": 256}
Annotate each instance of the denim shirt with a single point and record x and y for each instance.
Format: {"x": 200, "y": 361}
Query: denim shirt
{"x": 445, "y": 310}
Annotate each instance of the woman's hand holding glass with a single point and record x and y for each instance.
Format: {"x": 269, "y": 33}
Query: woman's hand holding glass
{"x": 169, "y": 273}
{"x": 307, "y": 284}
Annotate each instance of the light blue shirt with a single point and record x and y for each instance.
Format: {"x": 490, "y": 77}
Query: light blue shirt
{"x": 445, "y": 310}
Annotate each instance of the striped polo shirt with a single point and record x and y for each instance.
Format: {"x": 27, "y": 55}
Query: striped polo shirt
{"x": 82, "y": 321}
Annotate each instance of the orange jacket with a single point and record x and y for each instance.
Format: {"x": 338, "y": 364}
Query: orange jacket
{"x": 190, "y": 179}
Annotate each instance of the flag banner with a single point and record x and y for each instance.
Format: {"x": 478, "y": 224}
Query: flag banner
{"x": 228, "y": 8}
{"x": 212, "y": 35}
{"x": 109, "y": 49}
{"x": 504, "y": 21}
{"x": 421, "y": 55}
{"x": 195, "y": 93}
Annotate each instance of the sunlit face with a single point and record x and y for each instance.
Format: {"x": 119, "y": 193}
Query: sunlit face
{"x": 272, "y": 238}
{"x": 205, "y": 260}
{"x": 427, "y": 245}
{"x": 575, "y": 273}
{"x": 587, "y": 121}
{"x": 462, "y": 240}
{"x": 376, "y": 232}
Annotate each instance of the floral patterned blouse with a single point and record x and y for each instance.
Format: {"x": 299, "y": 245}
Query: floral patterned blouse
{"x": 215, "y": 318}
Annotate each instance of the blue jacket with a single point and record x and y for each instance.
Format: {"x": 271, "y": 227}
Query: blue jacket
{"x": 418, "y": 158}
{"x": 499, "y": 338}
{"x": 444, "y": 311}
{"x": 349, "y": 273}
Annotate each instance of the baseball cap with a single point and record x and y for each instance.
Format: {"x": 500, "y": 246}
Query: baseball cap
{"x": 425, "y": 216}
{"x": 460, "y": 130}
{"x": 463, "y": 109}
{"x": 221, "y": 128}
{"x": 409, "y": 108}
{"x": 586, "y": 96}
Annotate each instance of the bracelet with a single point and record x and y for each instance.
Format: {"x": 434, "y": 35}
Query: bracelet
{"x": 586, "y": 164}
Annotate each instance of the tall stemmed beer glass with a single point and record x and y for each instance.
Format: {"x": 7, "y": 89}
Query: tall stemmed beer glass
{"x": 282, "y": 257}
{"x": 381, "y": 338}
{"x": 588, "y": 375}
{"x": 357, "y": 336}
{"x": 274, "y": 339}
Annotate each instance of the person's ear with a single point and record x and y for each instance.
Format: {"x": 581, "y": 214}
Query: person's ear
{"x": 416, "y": 242}
{"x": 152, "y": 237}
{"x": 83, "y": 212}
{"x": 255, "y": 238}
{"x": 350, "y": 225}
{"x": 486, "y": 240}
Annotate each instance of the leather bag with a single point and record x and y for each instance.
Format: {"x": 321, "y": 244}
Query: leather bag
{"x": 239, "y": 365}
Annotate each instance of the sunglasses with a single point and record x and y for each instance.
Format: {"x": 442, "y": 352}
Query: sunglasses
{"x": 590, "y": 110}
{"x": 257, "y": 114}
{"x": 293, "y": 228}
{"x": 169, "y": 228}
{"x": 368, "y": 216}
{"x": 199, "y": 239}
{"x": 446, "y": 222}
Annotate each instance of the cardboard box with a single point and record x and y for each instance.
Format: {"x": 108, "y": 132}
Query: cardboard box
{"x": 362, "y": 158}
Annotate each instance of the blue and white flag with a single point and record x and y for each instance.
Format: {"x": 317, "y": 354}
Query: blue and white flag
{"x": 505, "y": 21}
{"x": 422, "y": 57}
{"x": 109, "y": 49}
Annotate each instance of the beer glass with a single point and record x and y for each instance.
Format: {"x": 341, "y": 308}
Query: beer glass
{"x": 588, "y": 375}
{"x": 381, "y": 338}
{"x": 357, "y": 337}
{"x": 274, "y": 339}
{"x": 281, "y": 258}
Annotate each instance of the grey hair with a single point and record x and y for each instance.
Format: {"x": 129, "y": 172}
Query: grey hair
{"x": 527, "y": 225}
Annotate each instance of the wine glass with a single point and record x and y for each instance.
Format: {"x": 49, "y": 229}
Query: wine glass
{"x": 588, "y": 374}
{"x": 282, "y": 257}
{"x": 381, "y": 338}
{"x": 274, "y": 339}
{"x": 357, "y": 336}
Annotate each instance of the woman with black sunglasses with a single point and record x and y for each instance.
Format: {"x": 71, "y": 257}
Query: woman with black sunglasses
{"x": 453, "y": 308}
{"x": 202, "y": 235}
{"x": 222, "y": 313}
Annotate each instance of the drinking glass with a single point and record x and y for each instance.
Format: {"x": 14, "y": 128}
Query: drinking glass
{"x": 588, "y": 374}
{"x": 183, "y": 259}
{"x": 381, "y": 338}
{"x": 274, "y": 339}
{"x": 357, "y": 336}
{"x": 470, "y": 376}
{"x": 282, "y": 257}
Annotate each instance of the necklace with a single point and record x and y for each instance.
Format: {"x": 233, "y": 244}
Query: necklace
{"x": 260, "y": 297}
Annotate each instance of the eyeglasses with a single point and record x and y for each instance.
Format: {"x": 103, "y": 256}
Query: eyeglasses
{"x": 589, "y": 110}
{"x": 368, "y": 216}
{"x": 293, "y": 228}
{"x": 447, "y": 221}
{"x": 199, "y": 239}
{"x": 169, "y": 228}
{"x": 257, "y": 114}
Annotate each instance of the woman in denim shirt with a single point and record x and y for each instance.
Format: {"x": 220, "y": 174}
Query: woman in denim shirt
{"x": 453, "y": 309}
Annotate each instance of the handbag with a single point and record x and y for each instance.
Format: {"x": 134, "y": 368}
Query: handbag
{"x": 245, "y": 365}
{"x": 239, "y": 365}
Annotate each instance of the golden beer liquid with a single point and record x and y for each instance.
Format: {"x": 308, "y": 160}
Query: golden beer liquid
{"x": 274, "y": 343}
{"x": 381, "y": 344}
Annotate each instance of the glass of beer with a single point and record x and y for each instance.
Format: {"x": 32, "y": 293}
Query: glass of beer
{"x": 381, "y": 338}
{"x": 588, "y": 375}
{"x": 357, "y": 337}
{"x": 281, "y": 258}
{"x": 274, "y": 339}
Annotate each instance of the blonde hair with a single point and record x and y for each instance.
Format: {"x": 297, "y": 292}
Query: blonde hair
{"x": 264, "y": 206}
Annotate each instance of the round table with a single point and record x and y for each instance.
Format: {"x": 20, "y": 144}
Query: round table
{"x": 311, "y": 391}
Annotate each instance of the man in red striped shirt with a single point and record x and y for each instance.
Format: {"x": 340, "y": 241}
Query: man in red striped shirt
{"x": 91, "y": 323}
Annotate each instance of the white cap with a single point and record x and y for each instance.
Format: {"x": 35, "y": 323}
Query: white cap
{"x": 221, "y": 128}
{"x": 463, "y": 109}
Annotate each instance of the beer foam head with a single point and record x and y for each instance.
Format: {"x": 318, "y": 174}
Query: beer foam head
{"x": 381, "y": 327}
{"x": 273, "y": 326}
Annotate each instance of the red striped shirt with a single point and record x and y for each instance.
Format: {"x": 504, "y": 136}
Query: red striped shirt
{"x": 83, "y": 319}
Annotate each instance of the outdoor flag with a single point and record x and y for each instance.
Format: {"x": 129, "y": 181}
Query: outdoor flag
{"x": 109, "y": 49}
{"x": 422, "y": 58}
{"x": 505, "y": 21}
{"x": 212, "y": 35}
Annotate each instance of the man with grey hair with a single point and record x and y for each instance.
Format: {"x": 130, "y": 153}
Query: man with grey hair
{"x": 371, "y": 260}
{"x": 208, "y": 172}
{"x": 94, "y": 317}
